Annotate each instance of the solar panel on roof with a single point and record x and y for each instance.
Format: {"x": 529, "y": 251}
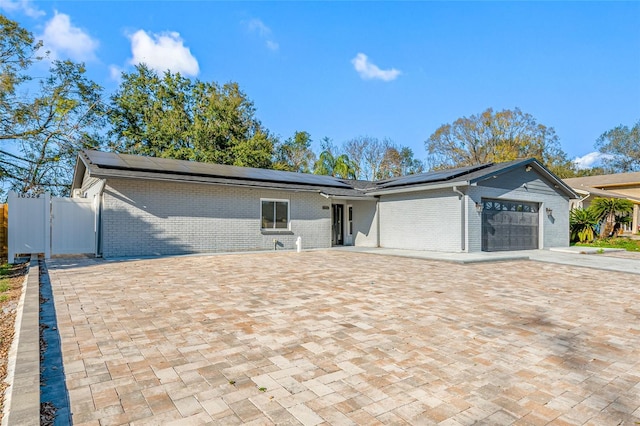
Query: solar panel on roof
{"x": 153, "y": 164}
{"x": 106, "y": 159}
{"x": 429, "y": 177}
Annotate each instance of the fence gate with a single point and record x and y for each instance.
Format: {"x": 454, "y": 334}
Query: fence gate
{"x": 72, "y": 226}
{"x": 41, "y": 224}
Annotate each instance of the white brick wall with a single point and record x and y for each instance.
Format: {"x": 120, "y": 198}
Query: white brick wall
{"x": 421, "y": 221}
{"x": 365, "y": 224}
{"x": 144, "y": 217}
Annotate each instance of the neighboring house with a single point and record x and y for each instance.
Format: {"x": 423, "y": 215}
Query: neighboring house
{"x": 155, "y": 206}
{"x": 618, "y": 185}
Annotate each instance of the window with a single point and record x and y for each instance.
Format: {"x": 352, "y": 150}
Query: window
{"x": 350, "y": 220}
{"x": 275, "y": 214}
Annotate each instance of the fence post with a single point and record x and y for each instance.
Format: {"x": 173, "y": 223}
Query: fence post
{"x": 11, "y": 237}
{"x": 4, "y": 230}
{"x": 47, "y": 225}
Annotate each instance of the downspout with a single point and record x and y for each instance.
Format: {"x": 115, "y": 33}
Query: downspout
{"x": 463, "y": 217}
{"x": 584, "y": 198}
{"x": 98, "y": 199}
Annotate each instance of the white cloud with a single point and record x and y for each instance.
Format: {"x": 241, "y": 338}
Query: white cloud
{"x": 63, "y": 40}
{"x": 115, "y": 72}
{"x": 370, "y": 71}
{"x": 21, "y": 5}
{"x": 256, "y": 25}
{"x": 162, "y": 52}
{"x": 590, "y": 160}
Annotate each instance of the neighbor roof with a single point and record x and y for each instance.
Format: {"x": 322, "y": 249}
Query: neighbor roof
{"x": 586, "y": 190}
{"x": 602, "y": 181}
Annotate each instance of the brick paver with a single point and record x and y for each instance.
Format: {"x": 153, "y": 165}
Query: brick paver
{"x": 347, "y": 338}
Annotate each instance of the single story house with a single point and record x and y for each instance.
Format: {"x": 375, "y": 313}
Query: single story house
{"x": 617, "y": 185}
{"x": 156, "y": 206}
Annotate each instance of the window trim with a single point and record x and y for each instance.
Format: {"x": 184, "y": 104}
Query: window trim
{"x": 276, "y": 200}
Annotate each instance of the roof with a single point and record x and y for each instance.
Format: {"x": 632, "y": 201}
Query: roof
{"x": 585, "y": 190}
{"x": 603, "y": 181}
{"x": 469, "y": 175}
{"x": 107, "y": 164}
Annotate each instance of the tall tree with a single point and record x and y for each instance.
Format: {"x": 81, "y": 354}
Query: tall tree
{"x": 172, "y": 116}
{"x": 496, "y": 137}
{"x": 332, "y": 163}
{"x": 381, "y": 158}
{"x": 622, "y": 148}
{"x": 295, "y": 154}
{"x": 43, "y": 121}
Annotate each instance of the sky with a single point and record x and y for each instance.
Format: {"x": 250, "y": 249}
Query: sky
{"x": 396, "y": 70}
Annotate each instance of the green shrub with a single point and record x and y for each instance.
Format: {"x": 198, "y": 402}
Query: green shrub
{"x": 582, "y": 224}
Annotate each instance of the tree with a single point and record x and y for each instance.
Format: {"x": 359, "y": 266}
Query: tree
{"x": 171, "y": 116}
{"x": 609, "y": 210}
{"x": 398, "y": 162}
{"x": 368, "y": 153}
{"x": 381, "y": 159}
{"x": 43, "y": 122}
{"x": 338, "y": 165}
{"x": 494, "y": 137}
{"x": 622, "y": 148}
{"x": 295, "y": 154}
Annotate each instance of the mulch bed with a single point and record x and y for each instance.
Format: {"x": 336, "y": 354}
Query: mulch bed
{"x": 14, "y": 277}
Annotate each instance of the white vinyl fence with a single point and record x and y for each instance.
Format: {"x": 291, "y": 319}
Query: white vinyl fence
{"x": 42, "y": 224}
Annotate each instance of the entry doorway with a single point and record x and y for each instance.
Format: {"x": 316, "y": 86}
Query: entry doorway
{"x": 337, "y": 224}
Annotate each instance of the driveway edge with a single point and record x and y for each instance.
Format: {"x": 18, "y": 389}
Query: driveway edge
{"x": 22, "y": 397}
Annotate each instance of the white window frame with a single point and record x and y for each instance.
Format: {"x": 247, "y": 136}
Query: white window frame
{"x": 276, "y": 200}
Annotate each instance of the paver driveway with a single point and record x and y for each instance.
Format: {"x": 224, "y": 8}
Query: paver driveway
{"x": 347, "y": 338}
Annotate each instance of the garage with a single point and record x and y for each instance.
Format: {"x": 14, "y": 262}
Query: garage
{"x": 509, "y": 225}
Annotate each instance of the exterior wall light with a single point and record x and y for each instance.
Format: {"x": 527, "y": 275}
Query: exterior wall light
{"x": 479, "y": 207}
{"x": 528, "y": 168}
{"x": 549, "y": 211}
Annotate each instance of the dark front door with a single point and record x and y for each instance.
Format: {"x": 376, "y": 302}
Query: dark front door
{"x": 509, "y": 225}
{"x": 337, "y": 216}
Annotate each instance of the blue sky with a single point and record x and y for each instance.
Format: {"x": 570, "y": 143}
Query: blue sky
{"x": 393, "y": 70}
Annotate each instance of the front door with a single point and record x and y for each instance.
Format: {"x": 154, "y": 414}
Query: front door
{"x": 337, "y": 216}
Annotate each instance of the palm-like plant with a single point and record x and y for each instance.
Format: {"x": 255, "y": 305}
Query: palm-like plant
{"x": 607, "y": 209}
{"x": 583, "y": 224}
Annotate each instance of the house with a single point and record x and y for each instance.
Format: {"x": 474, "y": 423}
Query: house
{"x": 155, "y": 206}
{"x": 618, "y": 185}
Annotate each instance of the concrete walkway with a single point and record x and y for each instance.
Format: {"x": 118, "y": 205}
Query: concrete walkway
{"x": 338, "y": 337}
{"x": 572, "y": 256}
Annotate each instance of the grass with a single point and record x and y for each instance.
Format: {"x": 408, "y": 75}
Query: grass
{"x": 5, "y": 269}
{"x": 618, "y": 242}
{"x": 4, "y": 286}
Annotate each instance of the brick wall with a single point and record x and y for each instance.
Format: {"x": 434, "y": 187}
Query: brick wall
{"x": 365, "y": 224}
{"x": 144, "y": 217}
{"x": 421, "y": 221}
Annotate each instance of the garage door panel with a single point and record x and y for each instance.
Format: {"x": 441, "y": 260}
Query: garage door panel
{"x": 509, "y": 225}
